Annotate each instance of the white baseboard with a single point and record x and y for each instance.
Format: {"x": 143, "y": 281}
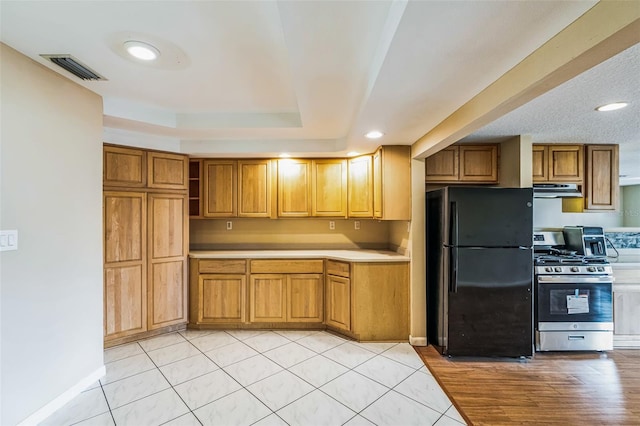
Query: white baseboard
{"x": 418, "y": 341}
{"x": 626, "y": 342}
{"x": 65, "y": 397}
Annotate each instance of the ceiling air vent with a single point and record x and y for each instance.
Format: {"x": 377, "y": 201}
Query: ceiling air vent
{"x": 74, "y": 66}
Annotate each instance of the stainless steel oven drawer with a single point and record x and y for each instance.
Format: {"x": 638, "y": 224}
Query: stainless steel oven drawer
{"x": 574, "y": 340}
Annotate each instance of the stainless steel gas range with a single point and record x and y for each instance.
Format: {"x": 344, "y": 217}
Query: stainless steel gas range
{"x": 573, "y": 298}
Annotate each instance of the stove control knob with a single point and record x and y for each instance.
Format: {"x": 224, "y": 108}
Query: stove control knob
{"x": 600, "y": 268}
{"x": 591, "y": 268}
{"x": 575, "y": 269}
{"x": 558, "y": 269}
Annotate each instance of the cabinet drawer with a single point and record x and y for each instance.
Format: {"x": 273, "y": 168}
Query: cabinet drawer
{"x": 222, "y": 266}
{"x": 260, "y": 266}
{"x": 340, "y": 269}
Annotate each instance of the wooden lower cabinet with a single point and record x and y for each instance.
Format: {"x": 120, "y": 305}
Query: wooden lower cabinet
{"x": 267, "y": 296}
{"x": 365, "y": 301}
{"x": 304, "y": 298}
{"x": 167, "y": 259}
{"x": 380, "y": 301}
{"x": 217, "y": 291}
{"x": 167, "y": 298}
{"x": 338, "y": 302}
{"x": 125, "y": 264}
{"x": 285, "y": 298}
{"x": 222, "y": 298}
{"x": 125, "y": 305}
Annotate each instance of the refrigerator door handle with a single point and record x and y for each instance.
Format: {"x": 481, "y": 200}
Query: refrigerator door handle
{"x": 453, "y": 281}
{"x": 453, "y": 240}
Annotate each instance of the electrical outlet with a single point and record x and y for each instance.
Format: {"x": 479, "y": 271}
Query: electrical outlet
{"x": 332, "y": 224}
{"x": 9, "y": 240}
{"x": 356, "y": 224}
{"x": 408, "y": 226}
{"x": 229, "y": 226}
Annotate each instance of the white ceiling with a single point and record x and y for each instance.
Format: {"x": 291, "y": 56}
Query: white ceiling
{"x": 240, "y": 78}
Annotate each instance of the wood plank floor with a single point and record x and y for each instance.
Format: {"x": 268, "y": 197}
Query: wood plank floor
{"x": 572, "y": 388}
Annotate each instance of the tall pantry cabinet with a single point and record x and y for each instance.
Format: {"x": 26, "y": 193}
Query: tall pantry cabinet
{"x": 145, "y": 207}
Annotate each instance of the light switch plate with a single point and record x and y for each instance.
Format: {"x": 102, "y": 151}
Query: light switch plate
{"x": 9, "y": 240}
{"x": 356, "y": 224}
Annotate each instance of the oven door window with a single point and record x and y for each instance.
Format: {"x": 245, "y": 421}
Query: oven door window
{"x": 574, "y": 302}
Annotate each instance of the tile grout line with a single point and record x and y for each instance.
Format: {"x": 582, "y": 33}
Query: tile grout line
{"x": 316, "y": 354}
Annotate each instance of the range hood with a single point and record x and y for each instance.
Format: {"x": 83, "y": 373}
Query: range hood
{"x": 556, "y": 190}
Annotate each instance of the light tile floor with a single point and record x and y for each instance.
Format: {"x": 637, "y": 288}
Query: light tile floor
{"x": 247, "y": 377}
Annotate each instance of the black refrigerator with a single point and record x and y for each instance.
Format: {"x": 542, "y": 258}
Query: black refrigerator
{"x": 479, "y": 250}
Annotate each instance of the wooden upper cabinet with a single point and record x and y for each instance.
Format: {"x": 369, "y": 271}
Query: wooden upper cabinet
{"x": 566, "y": 163}
{"x": 254, "y": 188}
{"x": 602, "y": 180}
{"x": 294, "y": 188}
{"x": 540, "y": 167}
{"x": 392, "y": 183}
{"x": 443, "y": 166}
{"x": 329, "y": 187}
{"x": 167, "y": 171}
{"x": 464, "y": 163}
{"x": 360, "y": 187}
{"x": 220, "y": 188}
{"x": 125, "y": 167}
{"x": 478, "y": 163}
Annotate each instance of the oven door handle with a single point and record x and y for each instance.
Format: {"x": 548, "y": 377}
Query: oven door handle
{"x": 573, "y": 279}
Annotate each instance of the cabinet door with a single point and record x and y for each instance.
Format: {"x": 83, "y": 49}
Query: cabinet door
{"x": 540, "y": 159}
{"x": 167, "y": 171}
{"x": 124, "y": 263}
{"x": 478, "y": 163}
{"x": 222, "y": 298}
{"x": 267, "y": 298}
{"x": 167, "y": 260}
{"x": 566, "y": 163}
{"x": 338, "y": 302}
{"x": 304, "y": 298}
{"x": 220, "y": 188}
{"x": 294, "y": 188}
{"x": 602, "y": 187}
{"x": 360, "y": 187}
{"x": 392, "y": 182}
{"x": 377, "y": 184}
{"x": 124, "y": 167}
{"x": 329, "y": 187}
{"x": 626, "y": 311}
{"x": 254, "y": 188}
{"x": 443, "y": 166}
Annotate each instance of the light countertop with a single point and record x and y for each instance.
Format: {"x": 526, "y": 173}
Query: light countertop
{"x": 344, "y": 255}
{"x": 627, "y": 258}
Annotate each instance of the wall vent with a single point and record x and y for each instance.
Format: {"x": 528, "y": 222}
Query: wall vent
{"x": 75, "y": 67}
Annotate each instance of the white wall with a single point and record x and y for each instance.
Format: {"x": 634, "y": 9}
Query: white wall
{"x": 50, "y": 191}
{"x": 547, "y": 213}
{"x": 418, "y": 293}
{"x": 630, "y": 205}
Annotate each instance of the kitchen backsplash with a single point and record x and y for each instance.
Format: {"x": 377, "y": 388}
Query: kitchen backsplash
{"x": 624, "y": 240}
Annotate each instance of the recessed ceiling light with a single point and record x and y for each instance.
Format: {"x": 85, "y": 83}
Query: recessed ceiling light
{"x": 612, "y": 107}
{"x": 284, "y": 155}
{"x": 374, "y": 134}
{"x": 141, "y": 50}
